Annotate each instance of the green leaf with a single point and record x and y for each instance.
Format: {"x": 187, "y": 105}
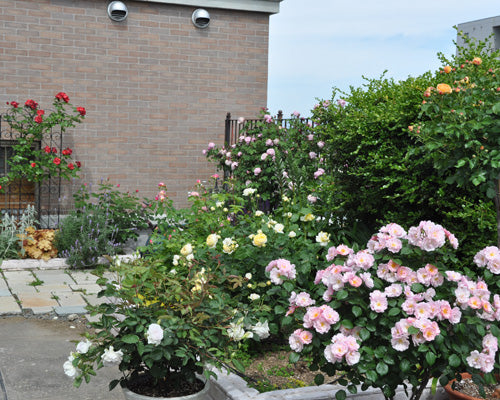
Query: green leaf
{"x": 454, "y": 360}
{"x": 393, "y": 312}
{"x": 496, "y": 108}
{"x": 131, "y": 338}
{"x": 364, "y": 334}
{"x": 319, "y": 379}
{"x": 347, "y": 324}
{"x": 294, "y": 357}
{"x": 372, "y": 375}
{"x": 238, "y": 365}
{"x": 430, "y": 357}
{"x": 357, "y": 311}
{"x": 382, "y": 368}
{"x": 341, "y": 395}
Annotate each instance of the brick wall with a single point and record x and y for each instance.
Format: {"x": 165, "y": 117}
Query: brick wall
{"x": 156, "y": 88}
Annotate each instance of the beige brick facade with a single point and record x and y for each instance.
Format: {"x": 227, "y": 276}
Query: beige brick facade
{"x": 155, "y": 87}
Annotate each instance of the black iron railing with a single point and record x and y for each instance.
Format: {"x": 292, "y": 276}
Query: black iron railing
{"x": 48, "y": 197}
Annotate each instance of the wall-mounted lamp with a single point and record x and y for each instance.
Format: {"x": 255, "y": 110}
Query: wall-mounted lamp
{"x": 117, "y": 11}
{"x": 201, "y": 18}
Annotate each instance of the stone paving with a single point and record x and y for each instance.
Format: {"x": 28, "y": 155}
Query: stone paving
{"x": 43, "y": 290}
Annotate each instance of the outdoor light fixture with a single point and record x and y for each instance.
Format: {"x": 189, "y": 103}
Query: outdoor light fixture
{"x": 201, "y": 18}
{"x": 117, "y": 11}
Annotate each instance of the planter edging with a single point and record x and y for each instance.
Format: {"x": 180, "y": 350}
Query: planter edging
{"x": 232, "y": 387}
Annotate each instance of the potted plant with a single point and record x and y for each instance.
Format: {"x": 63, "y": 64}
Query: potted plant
{"x": 396, "y": 313}
{"x": 164, "y": 326}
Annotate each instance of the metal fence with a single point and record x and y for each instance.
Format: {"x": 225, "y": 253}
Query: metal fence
{"x": 47, "y": 197}
{"x": 233, "y": 127}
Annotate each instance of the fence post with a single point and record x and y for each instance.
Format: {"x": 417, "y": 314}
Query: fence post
{"x": 280, "y": 115}
{"x": 227, "y": 133}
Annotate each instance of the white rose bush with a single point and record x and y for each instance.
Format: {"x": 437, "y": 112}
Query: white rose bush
{"x": 396, "y": 312}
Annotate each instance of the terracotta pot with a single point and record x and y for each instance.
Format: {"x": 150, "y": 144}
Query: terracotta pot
{"x": 202, "y": 395}
{"x": 456, "y": 395}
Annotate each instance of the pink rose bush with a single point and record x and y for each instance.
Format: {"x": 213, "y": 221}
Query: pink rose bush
{"x": 396, "y": 312}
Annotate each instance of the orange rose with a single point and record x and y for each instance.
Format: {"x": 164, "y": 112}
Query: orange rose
{"x": 447, "y": 69}
{"x": 443, "y": 88}
{"x": 477, "y": 61}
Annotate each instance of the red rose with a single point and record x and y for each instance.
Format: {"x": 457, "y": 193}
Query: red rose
{"x": 62, "y": 96}
{"x": 81, "y": 110}
{"x": 40, "y": 112}
{"x": 57, "y": 161}
{"x": 71, "y": 166}
{"x": 31, "y": 104}
{"x": 38, "y": 119}
{"x": 67, "y": 152}
{"x": 33, "y": 165}
{"x": 47, "y": 149}
{"x": 54, "y": 150}
{"x": 78, "y": 164}
{"x": 14, "y": 104}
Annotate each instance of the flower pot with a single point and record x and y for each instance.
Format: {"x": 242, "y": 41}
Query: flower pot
{"x": 201, "y": 395}
{"x": 457, "y": 395}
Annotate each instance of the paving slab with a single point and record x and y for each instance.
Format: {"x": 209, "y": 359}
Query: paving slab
{"x": 53, "y": 287}
{"x": 91, "y": 288}
{"x": 83, "y": 278}
{"x": 39, "y": 302}
{"x": 67, "y": 310}
{"x": 16, "y": 277}
{"x": 8, "y": 305}
{"x": 53, "y": 277}
{"x": 70, "y": 299}
{"x": 5, "y": 293}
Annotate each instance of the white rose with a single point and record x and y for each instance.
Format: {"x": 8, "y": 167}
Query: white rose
{"x": 258, "y": 213}
{"x": 248, "y": 275}
{"x": 190, "y": 257}
{"x": 111, "y": 356}
{"x": 278, "y": 228}
{"x": 229, "y": 245}
{"x": 261, "y": 329}
{"x": 254, "y": 296}
{"x": 219, "y": 204}
{"x": 212, "y": 240}
{"x": 176, "y": 259}
{"x": 83, "y": 346}
{"x": 154, "y": 334}
{"x": 69, "y": 369}
{"x": 292, "y": 234}
{"x": 187, "y": 249}
{"x": 323, "y": 238}
{"x": 237, "y": 332}
{"x": 249, "y": 191}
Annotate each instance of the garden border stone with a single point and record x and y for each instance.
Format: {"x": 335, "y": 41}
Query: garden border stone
{"x": 232, "y": 387}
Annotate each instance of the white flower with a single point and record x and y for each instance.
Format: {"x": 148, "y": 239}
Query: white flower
{"x": 248, "y": 275}
{"x": 323, "y": 238}
{"x": 190, "y": 257}
{"x": 229, "y": 245}
{"x": 219, "y": 204}
{"x": 69, "y": 369}
{"x": 236, "y": 332}
{"x": 212, "y": 240}
{"x": 83, "y": 346}
{"x": 111, "y": 356}
{"x": 154, "y": 334}
{"x": 187, "y": 249}
{"x": 288, "y": 215}
{"x": 258, "y": 213}
{"x": 176, "y": 259}
{"x": 249, "y": 191}
{"x": 292, "y": 234}
{"x": 261, "y": 329}
{"x": 254, "y": 296}
{"x": 278, "y": 228}
{"x": 285, "y": 198}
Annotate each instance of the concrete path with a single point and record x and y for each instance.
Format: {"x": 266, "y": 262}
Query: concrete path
{"x": 42, "y": 310}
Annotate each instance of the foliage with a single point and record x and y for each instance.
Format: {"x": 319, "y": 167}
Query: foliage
{"x": 277, "y": 161}
{"x": 126, "y": 212}
{"x": 32, "y": 125}
{"x": 12, "y": 231}
{"x": 397, "y": 312}
{"x": 459, "y": 124}
{"x": 39, "y": 243}
{"x": 85, "y": 235}
{"x": 166, "y": 323}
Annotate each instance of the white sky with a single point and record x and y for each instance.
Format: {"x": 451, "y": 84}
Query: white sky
{"x": 315, "y": 45}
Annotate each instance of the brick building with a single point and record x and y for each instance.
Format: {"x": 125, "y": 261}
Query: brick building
{"x": 155, "y": 86}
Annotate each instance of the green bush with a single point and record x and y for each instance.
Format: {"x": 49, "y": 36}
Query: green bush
{"x": 13, "y": 231}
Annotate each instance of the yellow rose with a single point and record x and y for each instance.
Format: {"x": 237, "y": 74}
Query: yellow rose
{"x": 212, "y": 240}
{"x": 260, "y": 239}
{"x": 308, "y": 217}
{"x": 477, "y": 61}
{"x": 443, "y": 88}
{"x": 187, "y": 249}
